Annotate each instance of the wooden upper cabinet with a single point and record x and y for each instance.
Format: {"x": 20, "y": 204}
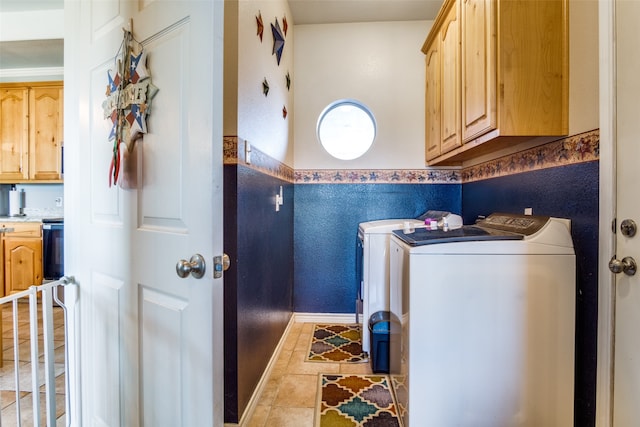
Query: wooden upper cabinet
{"x": 450, "y": 77}
{"x": 442, "y": 97}
{"x": 45, "y": 133}
{"x": 432, "y": 101}
{"x": 14, "y": 133}
{"x": 31, "y": 133}
{"x": 514, "y": 75}
{"x": 478, "y": 52}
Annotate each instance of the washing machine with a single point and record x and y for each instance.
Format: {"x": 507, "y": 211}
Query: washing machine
{"x": 372, "y": 262}
{"x": 483, "y": 323}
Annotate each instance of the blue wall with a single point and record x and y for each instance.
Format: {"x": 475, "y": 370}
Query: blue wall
{"x": 258, "y": 287}
{"x": 326, "y": 218}
{"x": 566, "y": 192}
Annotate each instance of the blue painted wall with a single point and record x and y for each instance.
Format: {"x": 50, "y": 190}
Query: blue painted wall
{"x": 258, "y": 287}
{"x": 326, "y": 218}
{"x": 566, "y": 192}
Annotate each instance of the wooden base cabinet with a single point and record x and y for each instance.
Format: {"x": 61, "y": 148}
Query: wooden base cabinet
{"x": 513, "y": 79}
{"x": 22, "y": 251}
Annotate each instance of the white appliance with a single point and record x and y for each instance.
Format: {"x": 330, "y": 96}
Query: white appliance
{"x": 373, "y": 261}
{"x": 483, "y": 324}
{"x": 373, "y": 266}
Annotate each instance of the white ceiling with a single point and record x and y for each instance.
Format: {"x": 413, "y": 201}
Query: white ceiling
{"x": 49, "y": 53}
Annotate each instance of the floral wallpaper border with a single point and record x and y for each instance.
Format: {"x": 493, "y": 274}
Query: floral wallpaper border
{"x": 580, "y": 148}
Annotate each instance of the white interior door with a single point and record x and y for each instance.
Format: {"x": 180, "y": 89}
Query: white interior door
{"x": 150, "y": 342}
{"x": 626, "y": 375}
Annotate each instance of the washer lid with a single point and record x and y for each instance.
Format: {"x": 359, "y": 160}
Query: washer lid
{"x": 424, "y": 236}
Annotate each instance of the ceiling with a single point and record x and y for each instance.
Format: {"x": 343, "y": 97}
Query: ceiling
{"x": 49, "y": 53}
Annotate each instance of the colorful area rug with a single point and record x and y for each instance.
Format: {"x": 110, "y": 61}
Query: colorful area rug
{"x": 336, "y": 343}
{"x": 355, "y": 401}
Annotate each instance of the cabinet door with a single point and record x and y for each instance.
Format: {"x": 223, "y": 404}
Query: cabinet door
{"x": 45, "y": 129}
{"x": 432, "y": 102}
{"x": 478, "y": 51}
{"x": 450, "y": 79}
{"x": 14, "y": 133}
{"x": 22, "y": 263}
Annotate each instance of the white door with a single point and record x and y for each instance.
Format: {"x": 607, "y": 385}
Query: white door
{"x": 150, "y": 342}
{"x": 626, "y": 291}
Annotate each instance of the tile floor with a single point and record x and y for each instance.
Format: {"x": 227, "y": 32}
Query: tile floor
{"x": 289, "y": 397}
{"x": 7, "y": 371}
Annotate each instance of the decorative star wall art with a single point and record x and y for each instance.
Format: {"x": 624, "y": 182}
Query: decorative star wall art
{"x": 260, "y": 25}
{"x": 285, "y": 25}
{"x": 265, "y": 87}
{"x": 129, "y": 94}
{"x": 278, "y": 41}
{"x": 288, "y": 80}
{"x": 284, "y": 112}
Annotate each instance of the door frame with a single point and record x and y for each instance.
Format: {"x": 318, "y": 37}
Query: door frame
{"x": 607, "y": 206}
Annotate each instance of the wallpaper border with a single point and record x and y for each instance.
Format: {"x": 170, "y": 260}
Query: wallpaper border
{"x": 580, "y": 148}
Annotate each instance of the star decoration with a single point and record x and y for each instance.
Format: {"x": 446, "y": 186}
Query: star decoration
{"x": 288, "y": 77}
{"x": 285, "y": 25}
{"x": 284, "y": 111}
{"x": 265, "y": 87}
{"x": 278, "y": 41}
{"x": 114, "y": 82}
{"x": 260, "y": 25}
{"x": 137, "y": 121}
{"x": 138, "y": 68}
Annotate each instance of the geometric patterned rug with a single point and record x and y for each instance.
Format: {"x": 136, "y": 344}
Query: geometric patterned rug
{"x": 336, "y": 343}
{"x": 355, "y": 401}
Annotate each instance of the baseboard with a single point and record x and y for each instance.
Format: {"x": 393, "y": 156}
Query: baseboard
{"x": 255, "y": 397}
{"x": 295, "y": 318}
{"x": 325, "y": 318}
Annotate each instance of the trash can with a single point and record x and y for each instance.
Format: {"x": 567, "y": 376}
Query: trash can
{"x": 379, "y": 331}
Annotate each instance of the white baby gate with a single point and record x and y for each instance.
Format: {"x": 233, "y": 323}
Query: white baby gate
{"x": 48, "y": 293}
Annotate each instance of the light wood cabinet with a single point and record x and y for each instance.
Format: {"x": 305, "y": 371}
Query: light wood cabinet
{"x": 442, "y": 97}
{"x": 32, "y": 132}
{"x": 22, "y": 251}
{"x": 14, "y": 133}
{"x": 513, "y": 76}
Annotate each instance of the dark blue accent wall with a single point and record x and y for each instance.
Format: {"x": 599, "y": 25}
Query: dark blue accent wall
{"x": 326, "y": 218}
{"x": 566, "y": 192}
{"x": 258, "y": 287}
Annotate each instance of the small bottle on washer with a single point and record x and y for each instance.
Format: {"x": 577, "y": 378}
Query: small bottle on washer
{"x": 445, "y": 224}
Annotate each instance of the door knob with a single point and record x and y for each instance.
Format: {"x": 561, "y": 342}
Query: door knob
{"x": 627, "y": 266}
{"x": 196, "y": 266}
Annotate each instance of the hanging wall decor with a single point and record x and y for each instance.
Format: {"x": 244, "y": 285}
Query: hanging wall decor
{"x": 265, "y": 87}
{"x": 284, "y": 112}
{"x": 129, "y": 94}
{"x": 288, "y": 79}
{"x": 260, "y": 25}
{"x": 278, "y": 41}
{"x": 285, "y": 25}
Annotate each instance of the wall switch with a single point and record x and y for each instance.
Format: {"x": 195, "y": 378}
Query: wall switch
{"x": 528, "y": 211}
{"x": 58, "y": 202}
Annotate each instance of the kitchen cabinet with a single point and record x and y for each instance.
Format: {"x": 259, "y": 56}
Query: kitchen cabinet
{"x": 31, "y": 115}
{"x": 513, "y": 78}
{"x": 442, "y": 98}
{"x": 22, "y": 256}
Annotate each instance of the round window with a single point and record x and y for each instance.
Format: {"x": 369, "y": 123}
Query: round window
{"x": 346, "y": 129}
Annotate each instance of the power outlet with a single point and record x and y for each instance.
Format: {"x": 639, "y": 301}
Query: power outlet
{"x": 58, "y": 201}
